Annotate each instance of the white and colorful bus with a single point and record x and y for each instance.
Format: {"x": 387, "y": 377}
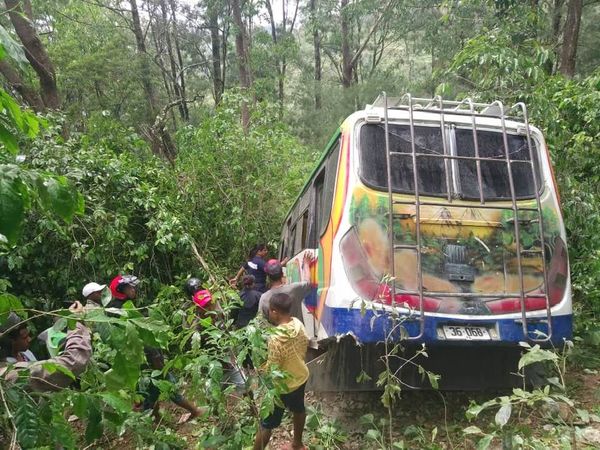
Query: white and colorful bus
{"x": 446, "y": 212}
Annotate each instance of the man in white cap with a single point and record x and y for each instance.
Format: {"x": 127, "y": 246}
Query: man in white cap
{"x": 92, "y": 293}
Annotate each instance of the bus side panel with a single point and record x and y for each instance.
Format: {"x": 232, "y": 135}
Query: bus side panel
{"x": 326, "y": 249}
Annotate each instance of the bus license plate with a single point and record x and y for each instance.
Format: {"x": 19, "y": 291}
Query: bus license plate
{"x": 466, "y": 333}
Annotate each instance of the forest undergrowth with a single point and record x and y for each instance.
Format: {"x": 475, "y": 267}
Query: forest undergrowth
{"x": 167, "y": 143}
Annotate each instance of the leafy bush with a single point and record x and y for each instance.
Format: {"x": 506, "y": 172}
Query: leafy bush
{"x": 237, "y": 187}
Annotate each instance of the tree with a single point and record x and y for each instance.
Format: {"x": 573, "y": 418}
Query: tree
{"x": 20, "y": 13}
{"x": 145, "y": 73}
{"x": 316, "y": 36}
{"x": 351, "y": 58}
{"x": 281, "y": 35}
{"x": 243, "y": 56}
{"x": 568, "y": 52}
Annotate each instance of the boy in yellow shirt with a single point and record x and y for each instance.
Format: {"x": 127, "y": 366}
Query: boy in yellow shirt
{"x": 287, "y": 349}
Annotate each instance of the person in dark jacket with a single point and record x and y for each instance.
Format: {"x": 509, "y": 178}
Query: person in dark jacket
{"x": 250, "y": 298}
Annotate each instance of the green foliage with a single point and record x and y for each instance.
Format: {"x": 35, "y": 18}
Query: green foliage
{"x": 550, "y": 399}
{"x": 236, "y": 187}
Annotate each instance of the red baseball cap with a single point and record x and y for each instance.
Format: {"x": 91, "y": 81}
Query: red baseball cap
{"x": 273, "y": 268}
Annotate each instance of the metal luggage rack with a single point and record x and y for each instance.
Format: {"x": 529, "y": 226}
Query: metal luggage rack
{"x": 437, "y": 104}
{"x": 472, "y": 109}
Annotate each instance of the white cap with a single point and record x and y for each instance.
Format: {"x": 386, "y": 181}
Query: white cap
{"x": 90, "y": 288}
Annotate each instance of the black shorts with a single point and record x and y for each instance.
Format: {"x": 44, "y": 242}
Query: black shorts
{"x": 294, "y": 401}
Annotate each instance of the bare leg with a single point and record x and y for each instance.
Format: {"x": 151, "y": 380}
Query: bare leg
{"x": 262, "y": 438}
{"x": 299, "y": 419}
{"x": 193, "y": 409}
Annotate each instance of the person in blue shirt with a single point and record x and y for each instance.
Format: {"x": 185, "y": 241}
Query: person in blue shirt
{"x": 254, "y": 266}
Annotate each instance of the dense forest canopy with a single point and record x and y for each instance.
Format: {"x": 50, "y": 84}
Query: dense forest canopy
{"x": 135, "y": 132}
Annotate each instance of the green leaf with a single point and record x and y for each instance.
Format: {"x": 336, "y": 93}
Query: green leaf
{"x": 367, "y": 419}
{"x": 125, "y": 370}
{"x": 58, "y": 196}
{"x": 503, "y": 415}
{"x": 12, "y": 48}
{"x": 106, "y": 297}
{"x": 9, "y": 140}
{"x": 536, "y": 354}
{"x": 116, "y": 402}
{"x": 433, "y": 379}
{"x": 52, "y": 367}
{"x": 8, "y": 303}
{"x": 26, "y": 420}
{"x": 80, "y": 405}
{"x": 12, "y": 206}
{"x": 484, "y": 443}
{"x": 472, "y": 430}
{"x": 94, "y": 427}
{"x": 374, "y": 435}
{"x": 363, "y": 377}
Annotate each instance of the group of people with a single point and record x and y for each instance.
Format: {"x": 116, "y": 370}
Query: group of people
{"x": 280, "y": 304}
{"x": 264, "y": 289}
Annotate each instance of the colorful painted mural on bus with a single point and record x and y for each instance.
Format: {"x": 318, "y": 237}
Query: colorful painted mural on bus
{"x": 464, "y": 250}
{"x": 294, "y": 272}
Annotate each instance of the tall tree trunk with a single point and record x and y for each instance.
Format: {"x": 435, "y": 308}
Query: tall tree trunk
{"x": 278, "y": 62}
{"x": 16, "y": 82}
{"x": 181, "y": 73}
{"x": 215, "y": 42}
{"x": 568, "y": 53}
{"x": 172, "y": 62}
{"x": 20, "y": 16}
{"x": 157, "y": 47}
{"x": 242, "y": 50}
{"x": 144, "y": 66}
{"x": 347, "y": 66}
{"x": 317, "y": 53}
{"x": 556, "y": 21}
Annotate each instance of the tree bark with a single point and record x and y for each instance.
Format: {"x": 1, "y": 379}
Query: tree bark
{"x": 172, "y": 63}
{"x": 317, "y": 53}
{"x": 556, "y": 21}
{"x": 34, "y": 51}
{"x": 347, "y": 67}
{"x": 278, "y": 63}
{"x": 568, "y": 53}
{"x": 215, "y": 42}
{"x": 154, "y": 27}
{"x": 242, "y": 50}
{"x": 27, "y": 93}
{"x": 144, "y": 66}
{"x": 180, "y": 74}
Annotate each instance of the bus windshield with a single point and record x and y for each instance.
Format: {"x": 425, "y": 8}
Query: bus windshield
{"x": 436, "y": 173}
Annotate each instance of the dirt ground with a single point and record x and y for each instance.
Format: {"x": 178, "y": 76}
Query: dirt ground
{"x": 421, "y": 419}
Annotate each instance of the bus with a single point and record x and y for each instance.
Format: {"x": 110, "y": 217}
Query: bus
{"x": 444, "y": 214}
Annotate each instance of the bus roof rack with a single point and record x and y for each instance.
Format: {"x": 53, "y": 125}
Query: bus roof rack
{"x": 437, "y": 104}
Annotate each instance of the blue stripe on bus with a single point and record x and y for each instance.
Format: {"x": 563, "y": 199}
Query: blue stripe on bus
{"x": 368, "y": 328}
{"x": 311, "y": 299}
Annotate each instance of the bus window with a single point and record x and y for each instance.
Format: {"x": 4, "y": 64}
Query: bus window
{"x": 286, "y": 246}
{"x": 428, "y": 140}
{"x": 292, "y": 242}
{"x": 495, "y": 174}
{"x": 432, "y": 169}
{"x": 304, "y": 241}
